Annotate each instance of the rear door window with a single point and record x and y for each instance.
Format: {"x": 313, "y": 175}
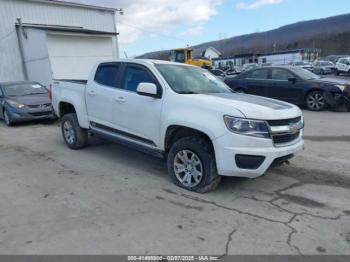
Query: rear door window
{"x": 259, "y": 74}
{"x": 280, "y": 74}
{"x": 134, "y": 75}
{"x": 107, "y": 74}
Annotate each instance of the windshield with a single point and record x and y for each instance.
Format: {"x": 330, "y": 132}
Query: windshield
{"x": 191, "y": 80}
{"x": 24, "y": 89}
{"x": 305, "y": 74}
{"x": 177, "y": 56}
{"x": 300, "y": 63}
{"x": 326, "y": 63}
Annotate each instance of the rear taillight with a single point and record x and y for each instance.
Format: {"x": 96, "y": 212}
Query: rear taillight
{"x": 50, "y": 92}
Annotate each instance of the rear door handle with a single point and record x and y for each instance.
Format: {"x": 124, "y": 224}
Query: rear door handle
{"x": 120, "y": 99}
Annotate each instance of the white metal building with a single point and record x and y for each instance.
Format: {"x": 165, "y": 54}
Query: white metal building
{"x": 41, "y": 40}
{"x": 289, "y": 56}
{"x": 211, "y": 53}
{"x": 279, "y": 57}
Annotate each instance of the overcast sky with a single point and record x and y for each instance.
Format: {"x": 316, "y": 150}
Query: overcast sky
{"x": 150, "y": 25}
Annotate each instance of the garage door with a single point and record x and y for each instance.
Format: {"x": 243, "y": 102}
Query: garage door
{"x": 72, "y": 57}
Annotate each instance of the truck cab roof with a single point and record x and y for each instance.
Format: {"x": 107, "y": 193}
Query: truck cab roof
{"x": 142, "y": 61}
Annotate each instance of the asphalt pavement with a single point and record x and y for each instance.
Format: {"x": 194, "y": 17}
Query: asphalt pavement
{"x": 109, "y": 199}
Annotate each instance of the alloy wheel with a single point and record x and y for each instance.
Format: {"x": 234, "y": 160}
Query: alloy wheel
{"x": 316, "y": 101}
{"x": 188, "y": 168}
{"x": 68, "y": 132}
{"x": 7, "y": 118}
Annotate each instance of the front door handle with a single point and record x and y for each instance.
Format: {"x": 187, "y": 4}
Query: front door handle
{"x": 120, "y": 99}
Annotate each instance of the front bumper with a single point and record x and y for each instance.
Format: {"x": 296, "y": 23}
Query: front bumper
{"x": 338, "y": 100}
{"x": 231, "y": 145}
{"x": 29, "y": 114}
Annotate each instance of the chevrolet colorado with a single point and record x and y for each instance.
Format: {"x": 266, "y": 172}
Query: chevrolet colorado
{"x": 182, "y": 113}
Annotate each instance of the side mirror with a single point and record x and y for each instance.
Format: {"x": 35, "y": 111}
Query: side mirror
{"x": 292, "y": 79}
{"x": 148, "y": 89}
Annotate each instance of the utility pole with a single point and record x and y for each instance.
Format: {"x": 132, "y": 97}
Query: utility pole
{"x": 274, "y": 46}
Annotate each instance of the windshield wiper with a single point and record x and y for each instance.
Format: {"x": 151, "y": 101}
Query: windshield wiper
{"x": 188, "y": 93}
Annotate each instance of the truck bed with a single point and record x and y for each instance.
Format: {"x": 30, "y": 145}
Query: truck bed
{"x": 70, "y": 92}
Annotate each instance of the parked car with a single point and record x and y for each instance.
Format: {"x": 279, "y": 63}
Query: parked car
{"x": 303, "y": 64}
{"x": 238, "y": 69}
{"x": 24, "y": 101}
{"x": 334, "y": 58}
{"x": 292, "y": 84}
{"x": 323, "y": 67}
{"x": 343, "y": 65}
{"x": 231, "y": 71}
{"x": 249, "y": 66}
{"x": 182, "y": 113}
{"x": 218, "y": 73}
{"x": 267, "y": 64}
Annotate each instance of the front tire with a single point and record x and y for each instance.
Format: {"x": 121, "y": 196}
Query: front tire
{"x": 7, "y": 118}
{"x": 191, "y": 165}
{"x": 315, "y": 101}
{"x": 74, "y": 136}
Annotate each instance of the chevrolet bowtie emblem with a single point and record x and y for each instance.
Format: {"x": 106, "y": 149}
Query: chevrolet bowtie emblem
{"x": 294, "y": 128}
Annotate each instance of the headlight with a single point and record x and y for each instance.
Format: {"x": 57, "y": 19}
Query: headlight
{"x": 343, "y": 88}
{"x": 346, "y": 88}
{"x": 247, "y": 127}
{"x": 15, "y": 104}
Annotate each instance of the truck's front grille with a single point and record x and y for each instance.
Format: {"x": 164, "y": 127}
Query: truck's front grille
{"x": 284, "y": 122}
{"x": 285, "y": 131}
{"x": 284, "y": 138}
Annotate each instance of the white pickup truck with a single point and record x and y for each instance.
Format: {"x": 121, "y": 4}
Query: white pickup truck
{"x": 182, "y": 113}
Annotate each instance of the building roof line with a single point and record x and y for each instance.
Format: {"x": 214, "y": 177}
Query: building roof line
{"x": 71, "y": 29}
{"x": 290, "y": 51}
{"x": 67, "y": 3}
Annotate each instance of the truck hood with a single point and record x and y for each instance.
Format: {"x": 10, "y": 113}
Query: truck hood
{"x": 254, "y": 107}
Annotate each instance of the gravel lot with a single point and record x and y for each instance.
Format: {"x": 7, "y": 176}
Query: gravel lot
{"x": 108, "y": 199}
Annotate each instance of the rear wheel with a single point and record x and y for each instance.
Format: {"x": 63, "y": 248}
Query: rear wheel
{"x": 192, "y": 165}
{"x": 74, "y": 136}
{"x": 7, "y": 118}
{"x": 315, "y": 101}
